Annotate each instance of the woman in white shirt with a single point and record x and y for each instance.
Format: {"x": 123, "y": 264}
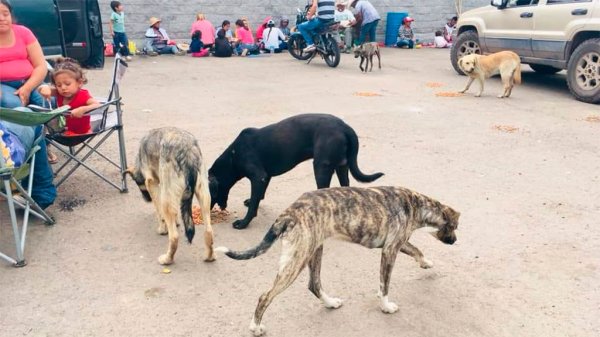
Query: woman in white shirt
{"x": 272, "y": 37}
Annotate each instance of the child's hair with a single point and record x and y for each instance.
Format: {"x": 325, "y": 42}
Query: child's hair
{"x": 197, "y": 35}
{"x": 67, "y": 65}
{"x": 239, "y": 23}
{"x": 114, "y": 5}
{"x": 225, "y": 23}
{"x": 200, "y": 16}
{"x": 438, "y": 33}
{"x": 221, "y": 34}
{"x": 454, "y": 18}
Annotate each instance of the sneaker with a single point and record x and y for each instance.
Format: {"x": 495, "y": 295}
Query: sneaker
{"x": 128, "y": 58}
{"x": 309, "y": 48}
{"x": 152, "y": 53}
{"x": 181, "y": 52}
{"x": 244, "y": 52}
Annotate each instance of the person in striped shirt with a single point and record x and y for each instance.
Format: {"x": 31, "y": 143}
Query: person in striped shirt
{"x": 320, "y": 14}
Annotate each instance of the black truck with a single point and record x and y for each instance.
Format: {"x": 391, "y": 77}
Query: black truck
{"x": 70, "y": 28}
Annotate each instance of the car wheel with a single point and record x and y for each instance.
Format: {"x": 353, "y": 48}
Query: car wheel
{"x": 583, "y": 72}
{"x": 544, "y": 69}
{"x": 466, "y": 43}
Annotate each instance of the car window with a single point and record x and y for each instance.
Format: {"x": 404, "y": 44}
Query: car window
{"x": 555, "y": 2}
{"x": 520, "y": 3}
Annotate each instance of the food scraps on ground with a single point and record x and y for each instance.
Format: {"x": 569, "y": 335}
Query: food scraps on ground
{"x": 593, "y": 119}
{"x": 505, "y": 128}
{"x": 216, "y": 215}
{"x": 166, "y": 271}
{"x": 366, "y": 94}
{"x": 434, "y": 84}
{"x": 449, "y": 94}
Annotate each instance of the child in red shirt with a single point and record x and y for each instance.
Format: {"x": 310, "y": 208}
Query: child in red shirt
{"x": 68, "y": 80}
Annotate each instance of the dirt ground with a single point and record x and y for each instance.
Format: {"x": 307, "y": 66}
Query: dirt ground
{"x": 524, "y": 173}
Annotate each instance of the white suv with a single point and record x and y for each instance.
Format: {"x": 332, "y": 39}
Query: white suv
{"x": 549, "y": 35}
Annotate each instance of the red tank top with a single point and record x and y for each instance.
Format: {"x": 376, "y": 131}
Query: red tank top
{"x": 77, "y": 125}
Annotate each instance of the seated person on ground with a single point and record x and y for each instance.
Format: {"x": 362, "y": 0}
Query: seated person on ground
{"x": 222, "y": 45}
{"x": 440, "y": 42}
{"x": 197, "y": 46}
{"x": 449, "y": 28}
{"x": 272, "y": 37}
{"x": 226, "y": 27}
{"x": 406, "y": 38}
{"x": 245, "y": 43}
{"x": 157, "y": 40}
{"x": 68, "y": 80}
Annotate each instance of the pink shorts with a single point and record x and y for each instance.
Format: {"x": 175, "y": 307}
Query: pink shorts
{"x": 202, "y": 53}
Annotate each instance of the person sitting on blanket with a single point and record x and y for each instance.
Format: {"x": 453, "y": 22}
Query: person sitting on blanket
{"x": 68, "y": 79}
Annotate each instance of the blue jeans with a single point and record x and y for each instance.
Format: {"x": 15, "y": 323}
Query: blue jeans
{"x": 240, "y": 47}
{"x": 121, "y": 44}
{"x": 10, "y": 100}
{"x": 403, "y": 42}
{"x": 308, "y": 28}
{"x": 43, "y": 190}
{"x": 161, "y": 49}
{"x": 370, "y": 29}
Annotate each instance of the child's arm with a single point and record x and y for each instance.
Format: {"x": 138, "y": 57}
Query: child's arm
{"x": 110, "y": 26}
{"x": 90, "y": 105}
{"x": 47, "y": 91}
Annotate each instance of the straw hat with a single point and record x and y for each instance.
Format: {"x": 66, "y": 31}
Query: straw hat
{"x": 341, "y": 2}
{"x": 154, "y": 20}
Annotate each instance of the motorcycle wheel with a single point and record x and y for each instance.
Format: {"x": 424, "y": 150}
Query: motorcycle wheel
{"x": 333, "y": 52}
{"x": 295, "y": 45}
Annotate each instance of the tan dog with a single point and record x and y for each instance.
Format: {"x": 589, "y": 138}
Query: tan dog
{"x": 169, "y": 171}
{"x": 480, "y": 67}
{"x": 366, "y": 51}
{"x": 377, "y": 217}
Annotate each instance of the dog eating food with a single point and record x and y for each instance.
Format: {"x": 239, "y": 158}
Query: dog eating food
{"x": 170, "y": 171}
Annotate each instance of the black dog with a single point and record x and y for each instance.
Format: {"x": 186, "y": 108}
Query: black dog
{"x": 259, "y": 154}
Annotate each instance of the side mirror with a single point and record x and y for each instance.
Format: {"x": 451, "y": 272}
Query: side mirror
{"x": 500, "y": 4}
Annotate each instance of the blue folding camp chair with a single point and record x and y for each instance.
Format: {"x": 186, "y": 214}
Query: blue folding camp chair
{"x": 11, "y": 178}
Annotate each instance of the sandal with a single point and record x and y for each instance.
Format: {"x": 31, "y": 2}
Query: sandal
{"x": 52, "y": 158}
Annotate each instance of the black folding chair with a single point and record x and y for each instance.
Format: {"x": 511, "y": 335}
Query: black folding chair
{"x": 106, "y": 120}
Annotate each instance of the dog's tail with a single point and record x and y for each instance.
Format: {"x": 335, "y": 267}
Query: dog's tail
{"x": 352, "y": 159}
{"x": 273, "y": 234}
{"x": 191, "y": 177}
{"x": 517, "y": 74}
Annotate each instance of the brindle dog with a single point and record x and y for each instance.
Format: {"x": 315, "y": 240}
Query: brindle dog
{"x": 366, "y": 51}
{"x": 377, "y": 217}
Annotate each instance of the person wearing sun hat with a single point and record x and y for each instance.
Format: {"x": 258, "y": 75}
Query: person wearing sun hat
{"x": 157, "y": 40}
{"x": 406, "y": 38}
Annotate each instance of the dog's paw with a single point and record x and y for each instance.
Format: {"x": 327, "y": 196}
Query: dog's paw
{"x": 501, "y": 96}
{"x": 426, "y": 263}
{"x": 478, "y": 95}
{"x": 210, "y": 258}
{"x": 389, "y": 307}
{"x": 332, "y": 302}
{"x": 257, "y": 330}
{"x": 165, "y": 259}
{"x": 240, "y": 224}
{"x": 462, "y": 91}
{"x": 162, "y": 230}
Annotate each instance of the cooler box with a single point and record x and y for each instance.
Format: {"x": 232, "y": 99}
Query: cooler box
{"x": 394, "y": 21}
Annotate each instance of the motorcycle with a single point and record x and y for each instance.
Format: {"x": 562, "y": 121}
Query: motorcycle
{"x": 325, "y": 44}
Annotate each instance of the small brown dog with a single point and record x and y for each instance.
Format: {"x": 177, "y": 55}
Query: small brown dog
{"x": 366, "y": 51}
{"x": 480, "y": 67}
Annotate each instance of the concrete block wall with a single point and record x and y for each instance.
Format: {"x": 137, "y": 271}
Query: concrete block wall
{"x": 178, "y": 15}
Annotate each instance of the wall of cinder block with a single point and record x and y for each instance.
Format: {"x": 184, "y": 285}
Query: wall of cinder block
{"x": 178, "y": 15}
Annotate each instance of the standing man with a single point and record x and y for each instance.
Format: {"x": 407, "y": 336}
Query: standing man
{"x": 320, "y": 14}
{"x": 370, "y": 18}
{"x": 346, "y": 19}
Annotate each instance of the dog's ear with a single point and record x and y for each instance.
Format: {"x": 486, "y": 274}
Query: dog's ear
{"x": 460, "y": 61}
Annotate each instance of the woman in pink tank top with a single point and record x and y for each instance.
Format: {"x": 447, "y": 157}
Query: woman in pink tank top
{"x": 22, "y": 63}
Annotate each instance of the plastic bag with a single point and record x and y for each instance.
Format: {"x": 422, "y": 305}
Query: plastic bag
{"x": 11, "y": 149}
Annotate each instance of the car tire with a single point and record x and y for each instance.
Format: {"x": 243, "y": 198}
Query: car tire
{"x": 583, "y": 72}
{"x": 466, "y": 43}
{"x": 544, "y": 69}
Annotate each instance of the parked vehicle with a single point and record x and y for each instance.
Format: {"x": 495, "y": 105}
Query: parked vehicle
{"x": 549, "y": 35}
{"x": 326, "y": 45}
{"x": 70, "y": 28}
